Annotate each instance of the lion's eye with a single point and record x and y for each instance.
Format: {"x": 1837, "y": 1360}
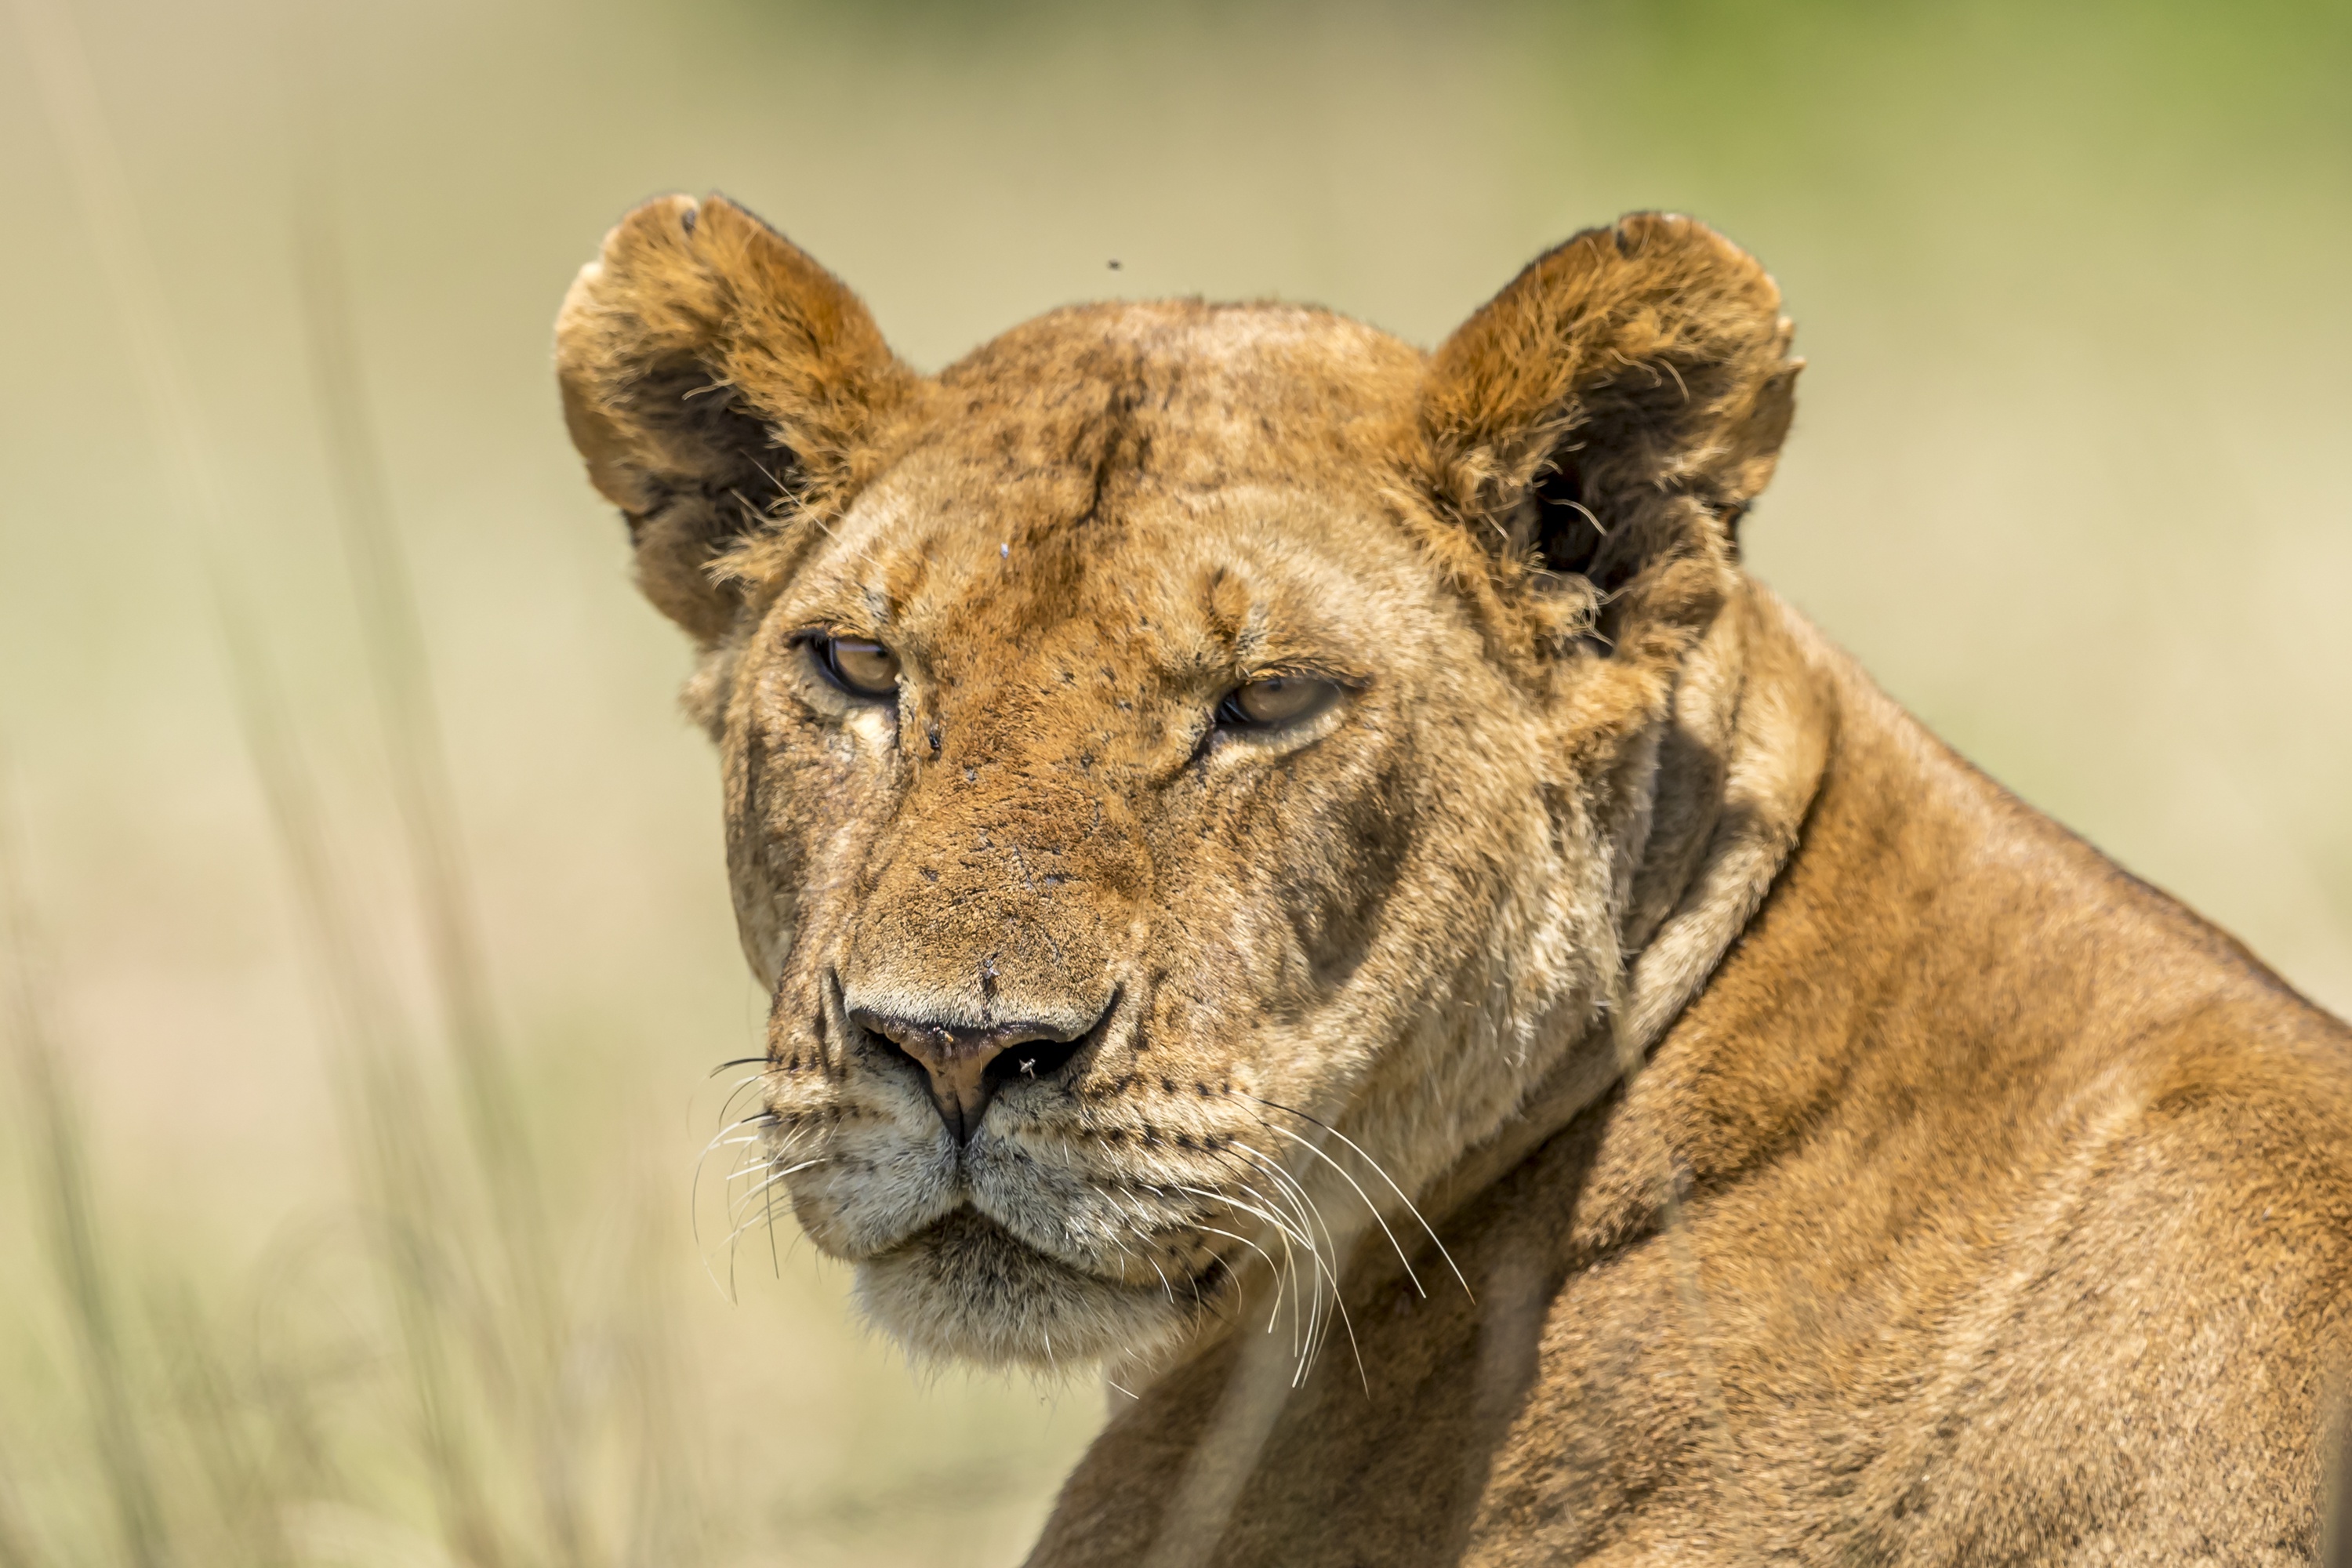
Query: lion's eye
{"x": 860, "y": 668}
{"x": 1276, "y": 699}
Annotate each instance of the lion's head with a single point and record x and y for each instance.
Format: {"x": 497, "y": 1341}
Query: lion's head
{"x": 1183, "y": 762}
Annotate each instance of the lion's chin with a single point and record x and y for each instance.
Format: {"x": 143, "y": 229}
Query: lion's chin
{"x": 965, "y": 1289}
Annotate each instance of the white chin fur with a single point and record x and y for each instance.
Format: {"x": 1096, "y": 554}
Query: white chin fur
{"x": 965, "y": 1289}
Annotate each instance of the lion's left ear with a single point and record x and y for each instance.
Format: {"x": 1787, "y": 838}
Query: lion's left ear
{"x": 1616, "y": 407}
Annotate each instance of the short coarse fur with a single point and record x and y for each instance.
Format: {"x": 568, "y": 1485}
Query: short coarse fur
{"x": 1667, "y": 1106}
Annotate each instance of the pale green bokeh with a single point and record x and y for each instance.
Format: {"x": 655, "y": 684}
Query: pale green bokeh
{"x": 2065, "y": 476}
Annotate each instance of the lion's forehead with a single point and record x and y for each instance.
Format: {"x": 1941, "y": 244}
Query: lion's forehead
{"x": 1176, "y": 587}
{"x": 1161, "y": 495}
{"x": 1196, "y": 395}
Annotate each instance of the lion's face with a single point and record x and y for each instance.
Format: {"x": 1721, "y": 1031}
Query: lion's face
{"x": 1158, "y": 810}
{"x": 1138, "y": 848}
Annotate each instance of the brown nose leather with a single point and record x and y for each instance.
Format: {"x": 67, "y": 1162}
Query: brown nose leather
{"x": 957, "y": 1060}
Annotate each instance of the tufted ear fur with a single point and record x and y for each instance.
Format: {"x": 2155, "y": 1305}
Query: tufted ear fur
{"x": 715, "y": 379}
{"x": 1611, "y": 412}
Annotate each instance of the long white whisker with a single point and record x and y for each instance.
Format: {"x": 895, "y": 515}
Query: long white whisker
{"x": 1289, "y": 1185}
{"x": 1301, "y": 1203}
{"x": 1292, "y": 1194}
{"x": 779, "y": 1176}
{"x": 1323, "y": 1255}
{"x": 1298, "y": 1291}
{"x": 1226, "y": 1200}
{"x": 1381, "y": 1172}
{"x": 1164, "y": 1284}
{"x": 735, "y": 1089}
{"x": 1309, "y": 1219}
{"x": 743, "y": 1201}
{"x": 777, "y": 1149}
{"x": 694, "y": 1184}
{"x": 775, "y": 1264}
{"x": 1323, "y": 1271}
{"x": 1312, "y": 1214}
{"x": 1305, "y": 1307}
{"x": 735, "y": 1210}
{"x": 1261, "y": 1251}
{"x": 1369, "y": 1206}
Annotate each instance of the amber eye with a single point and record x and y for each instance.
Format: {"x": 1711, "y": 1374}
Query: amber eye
{"x": 860, "y": 668}
{"x": 1274, "y": 701}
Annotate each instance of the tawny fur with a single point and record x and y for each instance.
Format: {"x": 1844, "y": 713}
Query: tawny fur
{"x": 1818, "y": 1155}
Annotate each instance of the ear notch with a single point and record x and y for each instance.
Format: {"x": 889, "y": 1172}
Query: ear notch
{"x": 1615, "y": 408}
{"x": 716, "y": 381}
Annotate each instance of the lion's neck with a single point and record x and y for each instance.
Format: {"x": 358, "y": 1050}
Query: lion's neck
{"x": 1737, "y": 767}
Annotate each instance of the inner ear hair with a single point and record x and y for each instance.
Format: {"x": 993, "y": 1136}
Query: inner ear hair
{"x": 1565, "y": 534}
{"x": 730, "y": 475}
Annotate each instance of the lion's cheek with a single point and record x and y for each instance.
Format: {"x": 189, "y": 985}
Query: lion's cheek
{"x": 799, "y": 816}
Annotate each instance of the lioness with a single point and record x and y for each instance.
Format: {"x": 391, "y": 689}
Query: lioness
{"x": 1303, "y": 874}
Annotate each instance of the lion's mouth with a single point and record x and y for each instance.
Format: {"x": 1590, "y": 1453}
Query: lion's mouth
{"x": 967, "y": 1286}
{"x": 969, "y": 1245}
{"x": 968, "y": 1242}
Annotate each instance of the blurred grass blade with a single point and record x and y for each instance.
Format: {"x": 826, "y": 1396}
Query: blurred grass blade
{"x": 379, "y": 1101}
{"x": 392, "y": 635}
{"x": 380, "y": 1110}
{"x": 63, "y": 1184}
{"x": 245, "y": 1493}
{"x": 69, "y": 99}
{"x": 16, "y": 1549}
{"x": 393, "y": 638}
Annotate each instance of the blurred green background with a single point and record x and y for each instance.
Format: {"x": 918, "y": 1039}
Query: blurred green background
{"x": 2073, "y": 285}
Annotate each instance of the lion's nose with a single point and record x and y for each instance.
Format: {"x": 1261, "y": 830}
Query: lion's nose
{"x": 966, "y": 1066}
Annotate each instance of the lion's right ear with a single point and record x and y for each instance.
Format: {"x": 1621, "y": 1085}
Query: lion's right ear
{"x": 715, "y": 379}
